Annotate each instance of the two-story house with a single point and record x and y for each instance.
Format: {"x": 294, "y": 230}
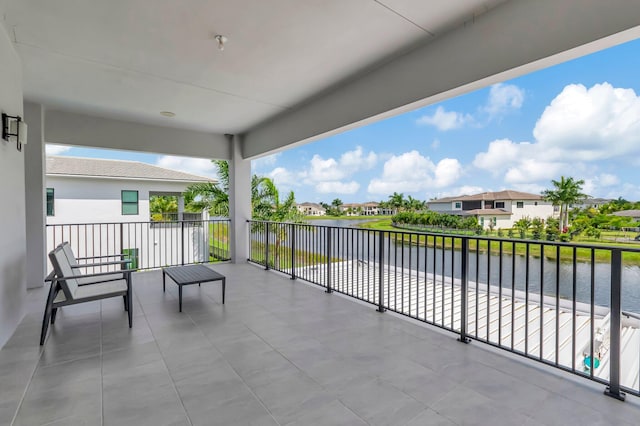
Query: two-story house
{"x": 311, "y": 209}
{"x": 102, "y": 206}
{"x": 498, "y": 209}
{"x": 90, "y": 190}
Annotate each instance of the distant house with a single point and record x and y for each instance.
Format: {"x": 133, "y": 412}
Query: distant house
{"x": 311, "y": 209}
{"x": 635, "y": 214}
{"x": 370, "y": 208}
{"x": 94, "y": 195}
{"x": 89, "y": 190}
{"x": 590, "y": 203}
{"x": 498, "y": 209}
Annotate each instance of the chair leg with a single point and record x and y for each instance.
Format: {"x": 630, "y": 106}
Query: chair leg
{"x": 47, "y": 313}
{"x": 130, "y": 306}
{"x": 54, "y": 311}
{"x": 126, "y": 304}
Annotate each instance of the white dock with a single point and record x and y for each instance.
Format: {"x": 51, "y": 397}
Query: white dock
{"x": 495, "y": 317}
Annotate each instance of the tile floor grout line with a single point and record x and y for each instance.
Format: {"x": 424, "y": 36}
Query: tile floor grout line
{"x": 235, "y": 371}
{"x": 164, "y": 362}
{"x": 101, "y": 370}
{"x": 26, "y": 388}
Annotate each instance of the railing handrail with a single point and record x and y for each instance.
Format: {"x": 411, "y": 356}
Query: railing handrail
{"x": 137, "y": 222}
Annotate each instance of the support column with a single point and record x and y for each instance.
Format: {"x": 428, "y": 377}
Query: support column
{"x": 35, "y": 195}
{"x": 239, "y": 201}
{"x": 180, "y": 207}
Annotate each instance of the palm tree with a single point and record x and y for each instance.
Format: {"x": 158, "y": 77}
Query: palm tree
{"x": 413, "y": 204}
{"x": 265, "y": 201}
{"x": 566, "y": 191}
{"x": 210, "y": 196}
{"x": 396, "y": 201}
{"x": 214, "y": 197}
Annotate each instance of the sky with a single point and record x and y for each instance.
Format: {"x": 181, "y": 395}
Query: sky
{"x": 579, "y": 119}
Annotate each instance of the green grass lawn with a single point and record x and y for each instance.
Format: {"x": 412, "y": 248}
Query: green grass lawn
{"x": 608, "y": 239}
{"x": 312, "y": 218}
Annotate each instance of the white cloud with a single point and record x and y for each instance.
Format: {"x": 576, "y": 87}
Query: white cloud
{"x": 445, "y": 120}
{"x": 504, "y": 97}
{"x": 600, "y": 184}
{"x": 356, "y": 160}
{"x": 282, "y": 176}
{"x": 590, "y": 124}
{"x": 606, "y": 179}
{"x": 264, "y": 162}
{"x": 336, "y": 187}
{"x": 531, "y": 188}
{"x": 412, "y": 172}
{"x": 349, "y": 163}
{"x": 196, "y": 166}
{"x": 578, "y": 129}
{"x": 324, "y": 170}
{"x": 327, "y": 175}
{"x": 51, "y": 149}
{"x": 502, "y": 153}
{"x": 532, "y": 170}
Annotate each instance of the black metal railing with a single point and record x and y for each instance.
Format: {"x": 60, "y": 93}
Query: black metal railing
{"x": 175, "y": 216}
{"x": 571, "y": 306}
{"x": 147, "y": 244}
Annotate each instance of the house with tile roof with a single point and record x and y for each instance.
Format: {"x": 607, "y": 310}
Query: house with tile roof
{"x": 498, "y": 209}
{"x": 311, "y": 209}
{"x": 90, "y": 190}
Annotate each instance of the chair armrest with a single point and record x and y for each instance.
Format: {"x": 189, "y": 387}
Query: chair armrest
{"x": 50, "y": 277}
{"x": 100, "y": 257}
{"x": 100, "y": 274}
{"x": 89, "y": 265}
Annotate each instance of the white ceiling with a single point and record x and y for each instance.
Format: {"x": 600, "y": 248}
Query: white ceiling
{"x": 132, "y": 59}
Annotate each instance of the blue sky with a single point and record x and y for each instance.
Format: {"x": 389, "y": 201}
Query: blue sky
{"x": 579, "y": 119}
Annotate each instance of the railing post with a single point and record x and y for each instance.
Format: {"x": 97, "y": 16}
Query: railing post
{"x": 328, "y": 251}
{"x": 293, "y": 251}
{"x": 121, "y": 239}
{"x": 464, "y": 287}
{"x": 381, "y": 307}
{"x": 182, "y": 243}
{"x": 266, "y": 247}
{"x": 613, "y": 390}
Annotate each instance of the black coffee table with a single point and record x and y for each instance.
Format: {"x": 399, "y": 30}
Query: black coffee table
{"x": 191, "y": 274}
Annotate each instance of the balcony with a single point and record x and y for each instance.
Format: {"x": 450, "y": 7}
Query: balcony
{"x": 283, "y": 351}
{"x": 278, "y": 352}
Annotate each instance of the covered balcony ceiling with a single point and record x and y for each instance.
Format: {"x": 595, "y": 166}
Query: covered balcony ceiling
{"x": 291, "y": 70}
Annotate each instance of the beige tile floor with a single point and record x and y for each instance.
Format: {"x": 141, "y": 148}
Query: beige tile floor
{"x": 279, "y": 352}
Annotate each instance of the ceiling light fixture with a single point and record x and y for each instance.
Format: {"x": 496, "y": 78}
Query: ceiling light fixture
{"x": 168, "y": 114}
{"x": 221, "y": 40}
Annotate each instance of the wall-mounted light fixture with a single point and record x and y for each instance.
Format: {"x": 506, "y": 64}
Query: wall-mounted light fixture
{"x": 14, "y": 126}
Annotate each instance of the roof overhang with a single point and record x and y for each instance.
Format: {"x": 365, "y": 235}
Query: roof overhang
{"x": 293, "y": 72}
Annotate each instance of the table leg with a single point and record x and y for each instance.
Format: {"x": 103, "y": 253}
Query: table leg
{"x": 224, "y": 285}
{"x": 164, "y": 288}
{"x": 180, "y": 296}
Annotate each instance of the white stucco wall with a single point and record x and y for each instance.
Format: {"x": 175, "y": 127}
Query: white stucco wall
{"x": 12, "y": 193}
{"x": 542, "y": 210}
{"x": 96, "y": 200}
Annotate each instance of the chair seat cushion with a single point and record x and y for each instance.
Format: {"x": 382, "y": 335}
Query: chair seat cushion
{"x": 91, "y": 280}
{"x": 96, "y": 290}
{"x": 101, "y": 289}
